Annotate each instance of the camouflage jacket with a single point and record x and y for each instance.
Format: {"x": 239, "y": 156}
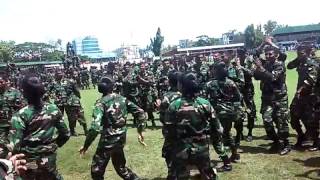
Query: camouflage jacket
{"x": 10, "y": 102}
{"x": 168, "y": 97}
{"x": 202, "y": 72}
{"x": 307, "y": 72}
{"x": 59, "y": 93}
{"x": 248, "y": 69}
{"x": 73, "y": 93}
{"x": 110, "y": 119}
{"x": 33, "y": 131}
{"x": 273, "y": 80}
{"x": 235, "y": 73}
{"x": 149, "y": 85}
{"x": 189, "y": 123}
{"x": 130, "y": 85}
{"x": 162, "y": 81}
{"x": 224, "y": 96}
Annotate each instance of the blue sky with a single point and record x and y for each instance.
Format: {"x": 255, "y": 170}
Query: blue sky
{"x": 116, "y": 22}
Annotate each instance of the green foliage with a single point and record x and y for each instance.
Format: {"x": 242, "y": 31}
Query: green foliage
{"x": 259, "y": 37}
{"x": 204, "y": 40}
{"x": 6, "y": 51}
{"x": 156, "y": 43}
{"x": 84, "y": 57}
{"x": 37, "y": 51}
{"x": 249, "y": 36}
{"x": 269, "y": 27}
{"x": 253, "y": 36}
{"x": 53, "y": 56}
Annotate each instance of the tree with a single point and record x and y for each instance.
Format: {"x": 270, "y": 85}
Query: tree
{"x": 253, "y": 37}
{"x": 259, "y": 37}
{"x": 156, "y": 43}
{"x": 270, "y": 26}
{"x": 6, "y": 51}
{"x": 37, "y": 51}
{"x": 250, "y": 36}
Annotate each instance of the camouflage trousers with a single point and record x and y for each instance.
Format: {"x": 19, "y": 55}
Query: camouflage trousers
{"x": 101, "y": 159}
{"x": 316, "y": 116}
{"x": 74, "y": 114}
{"x": 147, "y": 104}
{"x": 42, "y": 168}
{"x": 301, "y": 110}
{"x": 248, "y": 98}
{"x": 135, "y": 100}
{"x": 217, "y": 140}
{"x": 227, "y": 121}
{"x": 182, "y": 159}
{"x": 167, "y": 151}
{"x": 4, "y": 132}
{"x": 276, "y": 112}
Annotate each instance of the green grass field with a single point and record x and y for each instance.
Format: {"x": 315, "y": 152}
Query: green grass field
{"x": 147, "y": 162}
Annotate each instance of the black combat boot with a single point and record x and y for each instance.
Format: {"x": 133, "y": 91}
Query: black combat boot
{"x": 315, "y": 146}
{"x": 300, "y": 140}
{"x": 249, "y": 137}
{"x": 275, "y": 147}
{"x": 286, "y": 148}
{"x": 235, "y": 156}
{"x": 226, "y": 165}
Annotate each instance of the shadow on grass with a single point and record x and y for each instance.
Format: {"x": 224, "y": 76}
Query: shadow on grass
{"x": 259, "y": 126}
{"x": 311, "y": 174}
{"x": 311, "y": 162}
{"x": 265, "y": 137}
{"x": 195, "y": 177}
{"x": 254, "y": 149}
{"x": 147, "y": 127}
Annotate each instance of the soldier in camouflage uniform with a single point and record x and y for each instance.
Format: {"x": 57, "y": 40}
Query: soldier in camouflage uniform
{"x": 33, "y": 132}
{"x": 247, "y": 65}
{"x": 316, "y": 108}
{"x": 168, "y": 97}
{"x": 302, "y": 104}
{"x": 109, "y": 119}
{"x": 190, "y": 120}
{"x": 94, "y": 76}
{"x": 84, "y": 74}
{"x": 147, "y": 91}
{"x": 201, "y": 69}
{"x": 235, "y": 73}
{"x": 73, "y": 107}
{"x": 131, "y": 88}
{"x": 274, "y": 108}
{"x": 58, "y": 91}
{"x": 11, "y": 100}
{"x": 162, "y": 78}
{"x": 225, "y": 97}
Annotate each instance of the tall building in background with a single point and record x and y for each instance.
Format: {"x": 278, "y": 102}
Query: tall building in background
{"x": 87, "y": 46}
{"x": 90, "y": 45}
{"x": 77, "y": 45}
